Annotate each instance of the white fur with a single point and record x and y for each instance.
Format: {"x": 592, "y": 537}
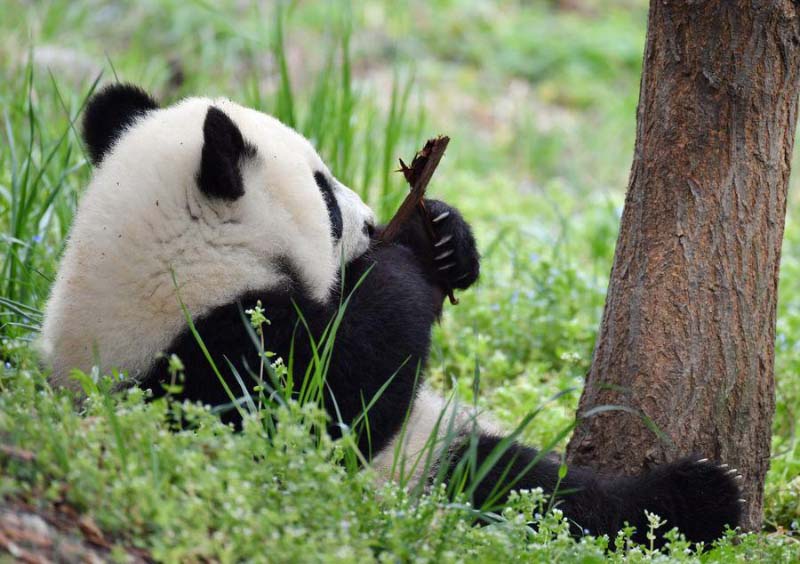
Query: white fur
{"x": 434, "y": 425}
{"x": 114, "y": 303}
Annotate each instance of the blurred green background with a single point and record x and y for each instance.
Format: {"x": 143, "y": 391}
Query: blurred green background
{"x": 539, "y": 99}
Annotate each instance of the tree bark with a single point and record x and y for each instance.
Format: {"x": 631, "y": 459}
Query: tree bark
{"x": 687, "y": 336}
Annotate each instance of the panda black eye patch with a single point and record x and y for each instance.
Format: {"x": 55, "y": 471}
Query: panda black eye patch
{"x": 334, "y": 213}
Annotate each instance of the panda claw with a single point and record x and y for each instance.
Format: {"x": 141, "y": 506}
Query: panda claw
{"x": 443, "y": 240}
{"x": 462, "y": 277}
{"x": 738, "y": 477}
{"x": 731, "y": 472}
{"x": 702, "y": 461}
{"x": 440, "y": 217}
{"x": 742, "y": 500}
{"x": 723, "y": 465}
{"x": 447, "y": 266}
{"x": 444, "y": 255}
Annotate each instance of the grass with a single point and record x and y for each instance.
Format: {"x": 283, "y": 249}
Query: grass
{"x": 540, "y": 106}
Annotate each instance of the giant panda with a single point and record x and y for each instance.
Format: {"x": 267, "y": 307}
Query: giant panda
{"x": 230, "y": 207}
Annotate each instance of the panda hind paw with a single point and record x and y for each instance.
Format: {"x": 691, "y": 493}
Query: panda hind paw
{"x": 704, "y": 496}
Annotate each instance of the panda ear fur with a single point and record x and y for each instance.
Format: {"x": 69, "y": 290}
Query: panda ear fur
{"x": 109, "y": 112}
{"x": 224, "y": 150}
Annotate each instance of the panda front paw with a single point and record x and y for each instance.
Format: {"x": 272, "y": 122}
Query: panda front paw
{"x": 448, "y": 255}
{"x": 455, "y": 259}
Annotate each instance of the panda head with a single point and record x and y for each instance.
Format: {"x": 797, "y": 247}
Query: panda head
{"x": 218, "y": 198}
{"x": 235, "y": 155}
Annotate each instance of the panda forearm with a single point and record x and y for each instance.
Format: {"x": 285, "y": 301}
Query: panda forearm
{"x": 381, "y": 342}
{"x": 389, "y": 283}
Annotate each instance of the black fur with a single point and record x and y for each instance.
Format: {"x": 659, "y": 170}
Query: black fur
{"x": 386, "y": 330}
{"x": 224, "y": 150}
{"x": 109, "y": 112}
{"x": 453, "y": 242}
{"x": 699, "y": 498}
{"x": 334, "y": 212}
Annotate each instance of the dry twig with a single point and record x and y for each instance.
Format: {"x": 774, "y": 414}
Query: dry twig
{"x": 418, "y": 175}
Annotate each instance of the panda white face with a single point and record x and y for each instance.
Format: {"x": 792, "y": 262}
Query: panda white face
{"x": 282, "y": 166}
{"x": 223, "y": 197}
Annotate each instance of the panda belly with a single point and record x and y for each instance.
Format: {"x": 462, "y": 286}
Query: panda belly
{"x": 433, "y": 427}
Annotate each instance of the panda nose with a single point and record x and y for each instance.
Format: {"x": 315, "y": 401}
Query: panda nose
{"x": 369, "y": 229}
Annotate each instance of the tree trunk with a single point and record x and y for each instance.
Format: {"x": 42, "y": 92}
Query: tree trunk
{"x": 687, "y": 336}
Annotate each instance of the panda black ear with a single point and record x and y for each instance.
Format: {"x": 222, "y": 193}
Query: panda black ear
{"x": 224, "y": 150}
{"x": 109, "y": 112}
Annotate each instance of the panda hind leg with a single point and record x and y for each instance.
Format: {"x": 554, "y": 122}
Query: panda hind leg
{"x": 694, "y": 494}
{"x": 699, "y": 497}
